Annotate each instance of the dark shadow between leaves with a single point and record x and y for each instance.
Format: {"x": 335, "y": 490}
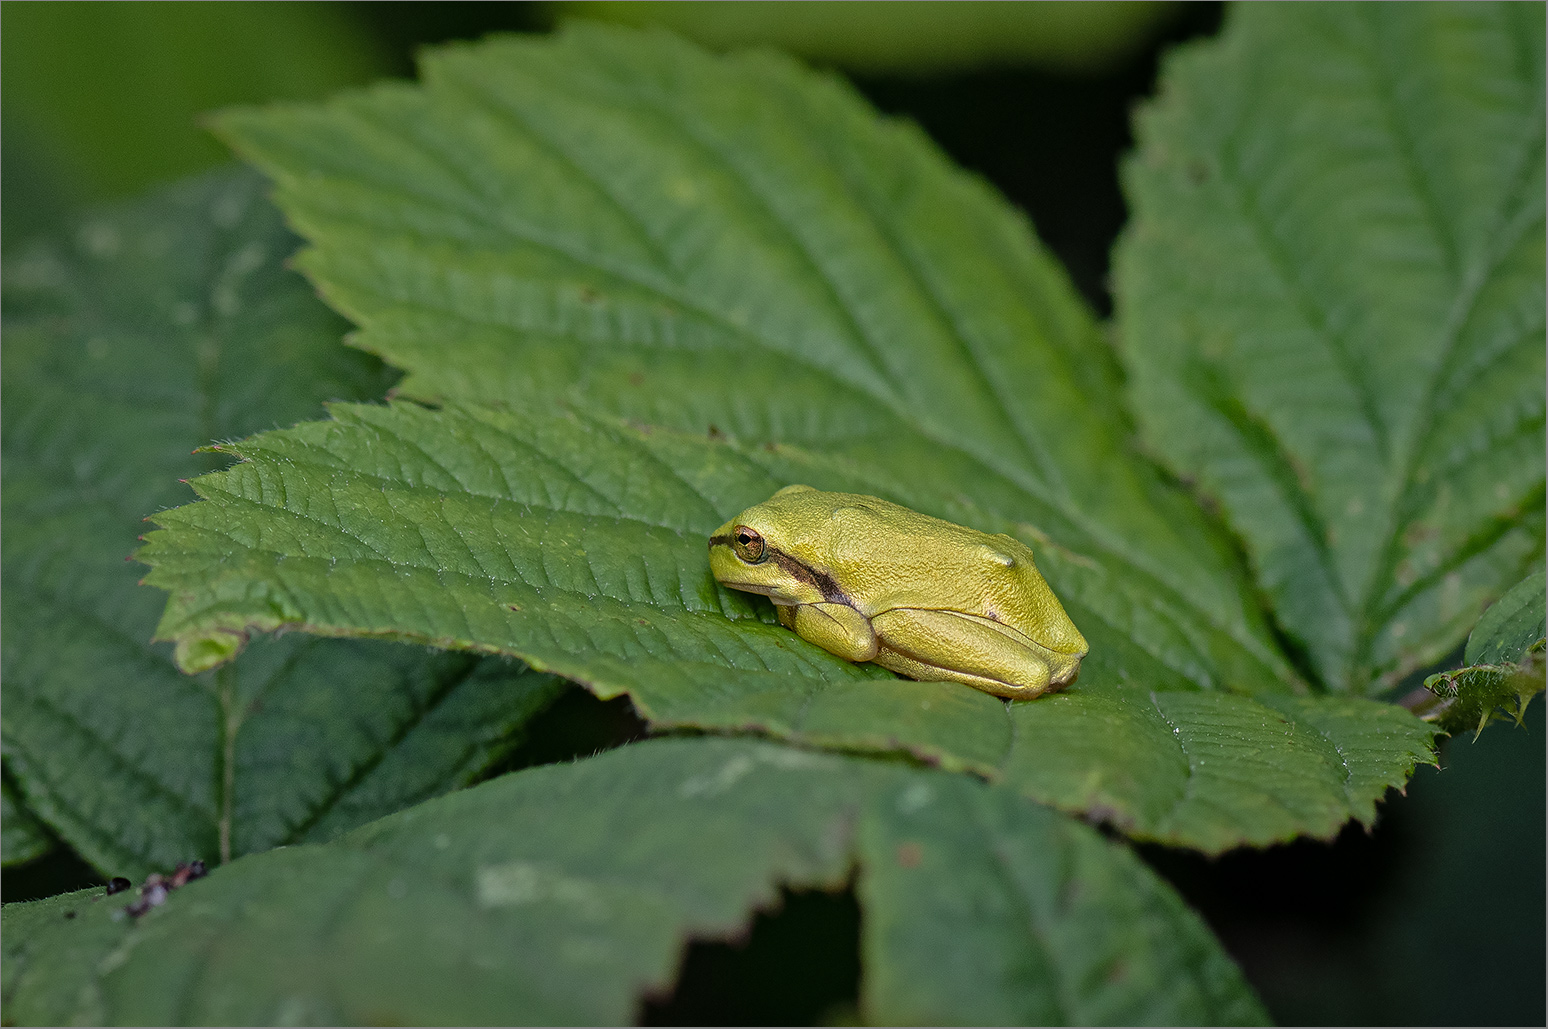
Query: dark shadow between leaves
{"x": 798, "y": 964}
{"x": 575, "y": 726}
{"x": 61, "y": 870}
{"x": 1434, "y": 916}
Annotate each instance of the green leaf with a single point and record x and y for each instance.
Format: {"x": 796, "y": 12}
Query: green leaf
{"x": 914, "y": 37}
{"x": 557, "y": 896}
{"x": 1511, "y": 625}
{"x": 155, "y": 329}
{"x": 22, "y": 837}
{"x": 1331, "y": 304}
{"x": 740, "y": 247}
{"x": 579, "y": 545}
{"x": 53, "y": 956}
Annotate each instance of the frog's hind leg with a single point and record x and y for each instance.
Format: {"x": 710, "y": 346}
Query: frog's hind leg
{"x": 837, "y": 628}
{"x": 984, "y": 654}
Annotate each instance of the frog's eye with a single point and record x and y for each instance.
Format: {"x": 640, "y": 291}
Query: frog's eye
{"x": 747, "y": 544}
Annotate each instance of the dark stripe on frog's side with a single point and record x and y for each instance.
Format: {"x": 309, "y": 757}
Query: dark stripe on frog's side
{"x": 820, "y": 581}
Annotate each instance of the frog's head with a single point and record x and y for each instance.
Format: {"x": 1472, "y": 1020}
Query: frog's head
{"x": 770, "y": 548}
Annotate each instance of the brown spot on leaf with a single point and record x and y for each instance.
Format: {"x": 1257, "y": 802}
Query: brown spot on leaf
{"x": 909, "y": 855}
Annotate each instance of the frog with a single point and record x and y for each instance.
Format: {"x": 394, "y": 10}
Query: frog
{"x": 869, "y": 580}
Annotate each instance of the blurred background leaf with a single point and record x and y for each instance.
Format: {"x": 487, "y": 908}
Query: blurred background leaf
{"x": 150, "y": 330}
{"x": 110, "y": 95}
{"x": 559, "y": 895}
{"x": 24, "y": 838}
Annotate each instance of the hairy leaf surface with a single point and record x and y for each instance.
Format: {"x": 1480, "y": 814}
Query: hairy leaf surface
{"x": 153, "y": 330}
{"x": 1332, "y": 308}
{"x": 557, "y": 896}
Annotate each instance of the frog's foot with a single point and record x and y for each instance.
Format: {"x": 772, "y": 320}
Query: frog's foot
{"x": 837, "y": 628}
{"x": 984, "y": 654}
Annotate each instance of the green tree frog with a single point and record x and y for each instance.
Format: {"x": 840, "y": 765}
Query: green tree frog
{"x": 870, "y": 580}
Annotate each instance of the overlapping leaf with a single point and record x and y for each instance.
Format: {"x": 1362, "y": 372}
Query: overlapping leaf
{"x": 154, "y": 330}
{"x": 579, "y": 545}
{"x": 557, "y": 896}
{"x": 1332, "y": 305}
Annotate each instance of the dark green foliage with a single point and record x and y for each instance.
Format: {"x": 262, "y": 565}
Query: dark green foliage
{"x": 557, "y": 895}
{"x": 151, "y": 331}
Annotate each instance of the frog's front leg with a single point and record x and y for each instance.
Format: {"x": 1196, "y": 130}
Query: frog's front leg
{"x": 965, "y": 648}
{"x": 837, "y": 628}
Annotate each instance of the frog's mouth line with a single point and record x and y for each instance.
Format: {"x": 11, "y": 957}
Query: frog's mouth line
{"x": 748, "y": 587}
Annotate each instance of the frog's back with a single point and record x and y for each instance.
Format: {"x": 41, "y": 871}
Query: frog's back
{"x": 911, "y": 560}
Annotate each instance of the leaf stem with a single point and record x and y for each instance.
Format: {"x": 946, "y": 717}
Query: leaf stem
{"x": 230, "y": 722}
